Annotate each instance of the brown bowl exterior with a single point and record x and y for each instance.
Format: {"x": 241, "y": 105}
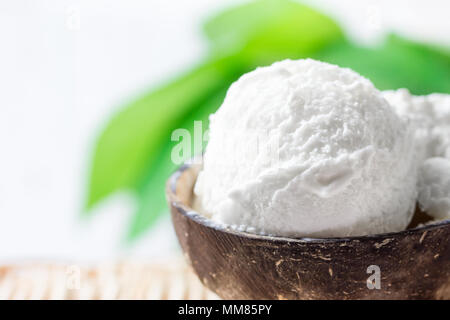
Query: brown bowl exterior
{"x": 413, "y": 264}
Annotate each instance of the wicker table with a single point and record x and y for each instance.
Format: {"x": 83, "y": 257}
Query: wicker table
{"x": 171, "y": 279}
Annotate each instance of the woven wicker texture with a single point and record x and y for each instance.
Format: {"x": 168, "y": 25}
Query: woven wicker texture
{"x": 170, "y": 279}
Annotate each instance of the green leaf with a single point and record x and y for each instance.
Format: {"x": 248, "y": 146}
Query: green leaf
{"x": 130, "y": 142}
{"x": 151, "y": 195}
{"x": 269, "y": 30}
{"x": 397, "y": 63}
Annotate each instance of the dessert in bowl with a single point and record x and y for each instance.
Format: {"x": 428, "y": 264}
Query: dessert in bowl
{"x": 308, "y": 185}
{"x": 413, "y": 264}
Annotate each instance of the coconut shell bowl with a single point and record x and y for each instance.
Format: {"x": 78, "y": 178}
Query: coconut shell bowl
{"x": 411, "y": 264}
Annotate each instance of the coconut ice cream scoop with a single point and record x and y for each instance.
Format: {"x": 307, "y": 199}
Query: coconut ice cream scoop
{"x": 434, "y": 187}
{"x": 430, "y": 117}
{"x": 305, "y": 148}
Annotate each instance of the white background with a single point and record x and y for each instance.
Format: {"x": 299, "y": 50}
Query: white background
{"x": 65, "y": 66}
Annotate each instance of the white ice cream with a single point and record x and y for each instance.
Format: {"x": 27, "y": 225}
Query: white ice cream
{"x": 430, "y": 115}
{"x": 434, "y": 188}
{"x": 305, "y": 148}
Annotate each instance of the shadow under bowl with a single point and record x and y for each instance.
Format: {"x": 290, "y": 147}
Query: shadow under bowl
{"x": 411, "y": 264}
